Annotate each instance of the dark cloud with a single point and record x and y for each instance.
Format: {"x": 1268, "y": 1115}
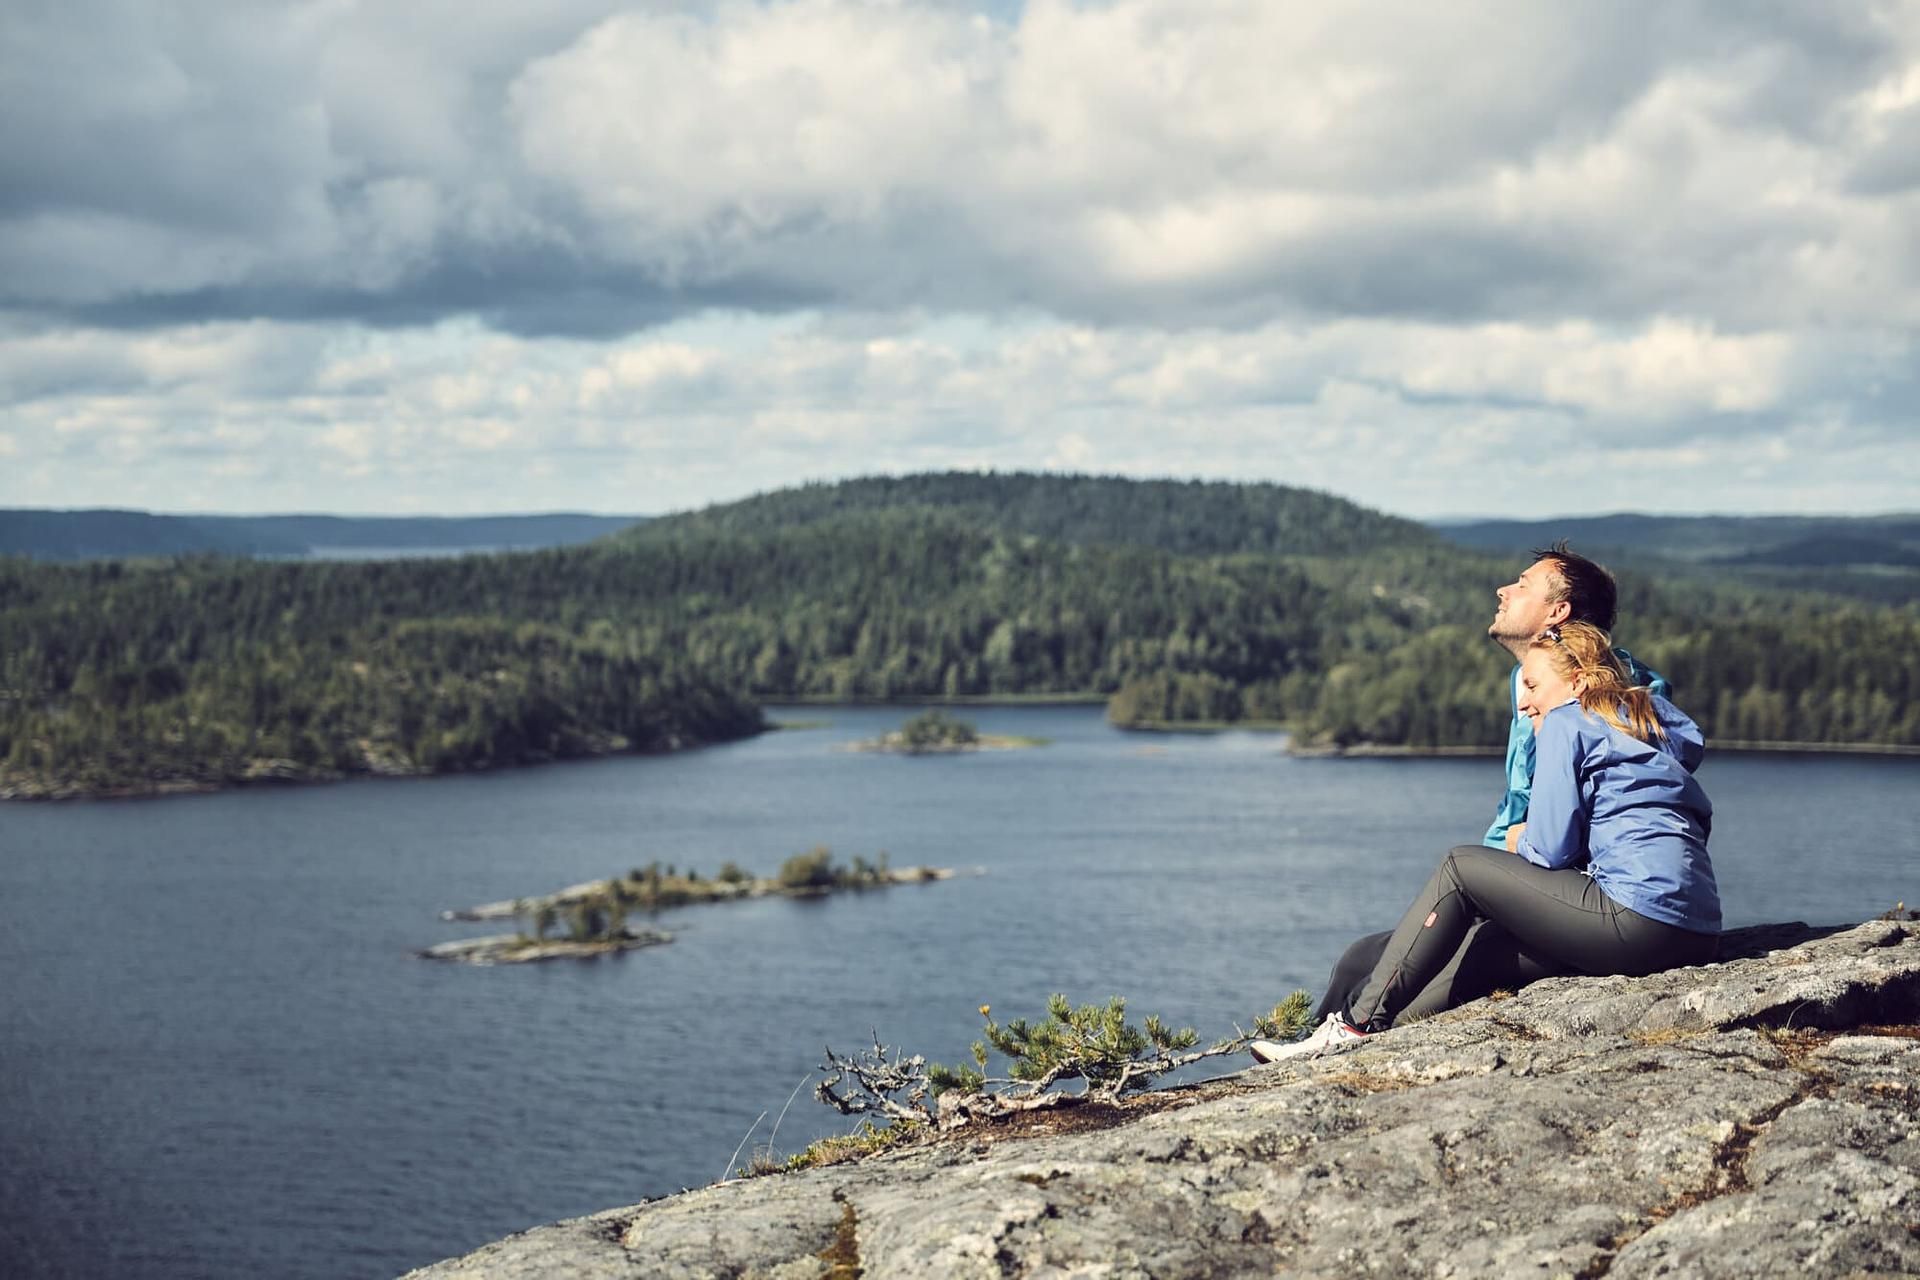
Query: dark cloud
{"x": 400, "y": 165}
{"x": 528, "y": 293}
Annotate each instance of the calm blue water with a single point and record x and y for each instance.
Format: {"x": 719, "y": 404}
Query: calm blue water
{"x": 218, "y": 1056}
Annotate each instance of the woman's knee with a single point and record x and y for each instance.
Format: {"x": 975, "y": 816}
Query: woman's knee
{"x": 1454, "y": 867}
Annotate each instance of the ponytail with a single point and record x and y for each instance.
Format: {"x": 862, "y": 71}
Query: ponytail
{"x": 1583, "y": 653}
{"x": 1628, "y": 708}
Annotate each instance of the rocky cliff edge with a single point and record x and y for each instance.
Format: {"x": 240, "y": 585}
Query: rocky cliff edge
{"x": 1755, "y": 1117}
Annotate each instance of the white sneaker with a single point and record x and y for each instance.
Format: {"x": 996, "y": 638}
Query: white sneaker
{"x": 1331, "y": 1036}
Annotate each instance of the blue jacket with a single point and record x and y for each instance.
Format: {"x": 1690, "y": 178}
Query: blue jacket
{"x": 1513, "y": 805}
{"x": 1630, "y": 812}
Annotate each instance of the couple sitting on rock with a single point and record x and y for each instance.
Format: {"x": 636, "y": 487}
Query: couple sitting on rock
{"x": 1597, "y": 860}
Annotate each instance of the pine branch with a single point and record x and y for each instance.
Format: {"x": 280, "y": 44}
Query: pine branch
{"x": 875, "y": 1075}
{"x": 1093, "y": 1043}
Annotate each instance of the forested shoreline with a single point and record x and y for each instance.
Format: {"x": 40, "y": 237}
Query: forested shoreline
{"x": 1179, "y": 601}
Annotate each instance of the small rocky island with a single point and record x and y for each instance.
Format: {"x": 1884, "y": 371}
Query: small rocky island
{"x": 1755, "y": 1117}
{"x": 934, "y": 732}
{"x": 591, "y": 919}
{"x": 519, "y": 948}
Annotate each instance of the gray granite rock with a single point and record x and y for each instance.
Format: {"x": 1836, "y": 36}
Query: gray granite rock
{"x": 1701, "y": 1122}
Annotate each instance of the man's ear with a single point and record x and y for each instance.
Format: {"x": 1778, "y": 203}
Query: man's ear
{"x": 1558, "y": 612}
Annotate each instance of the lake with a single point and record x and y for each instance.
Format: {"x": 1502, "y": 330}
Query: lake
{"x": 220, "y": 1058}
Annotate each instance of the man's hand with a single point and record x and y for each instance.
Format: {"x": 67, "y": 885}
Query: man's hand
{"x": 1513, "y": 836}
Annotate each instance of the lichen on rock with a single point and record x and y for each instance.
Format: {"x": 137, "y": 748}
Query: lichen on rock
{"x": 1755, "y": 1117}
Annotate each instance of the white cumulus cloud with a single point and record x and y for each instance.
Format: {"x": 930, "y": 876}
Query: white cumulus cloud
{"x": 635, "y": 253}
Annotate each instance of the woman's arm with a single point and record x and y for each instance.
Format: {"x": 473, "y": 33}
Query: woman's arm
{"x": 1556, "y": 831}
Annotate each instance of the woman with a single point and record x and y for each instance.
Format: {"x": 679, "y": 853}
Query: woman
{"x": 1612, "y": 874}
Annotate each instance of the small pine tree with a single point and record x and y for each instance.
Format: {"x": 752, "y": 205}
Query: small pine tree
{"x": 813, "y": 869}
{"x": 1288, "y": 1019}
{"x": 1092, "y": 1043}
{"x": 1097, "y": 1044}
{"x": 935, "y": 728}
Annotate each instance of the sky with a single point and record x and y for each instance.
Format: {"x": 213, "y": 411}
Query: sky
{"x": 464, "y": 256}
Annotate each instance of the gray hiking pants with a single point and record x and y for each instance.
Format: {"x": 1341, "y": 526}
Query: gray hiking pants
{"x": 1487, "y": 961}
{"x": 1559, "y": 919}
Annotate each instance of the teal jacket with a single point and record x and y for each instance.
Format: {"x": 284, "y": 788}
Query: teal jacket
{"x": 1513, "y": 806}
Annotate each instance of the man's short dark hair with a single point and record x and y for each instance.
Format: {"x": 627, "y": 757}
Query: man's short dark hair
{"x": 1588, "y": 589}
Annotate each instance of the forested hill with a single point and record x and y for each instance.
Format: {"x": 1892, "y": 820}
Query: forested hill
{"x": 1186, "y": 517}
{"x": 1366, "y": 629}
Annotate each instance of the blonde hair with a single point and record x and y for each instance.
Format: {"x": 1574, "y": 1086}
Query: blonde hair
{"x": 1583, "y": 655}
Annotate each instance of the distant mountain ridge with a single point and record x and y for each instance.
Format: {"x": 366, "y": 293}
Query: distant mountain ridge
{"x": 1185, "y": 517}
{"x": 105, "y": 533}
{"x": 1782, "y": 541}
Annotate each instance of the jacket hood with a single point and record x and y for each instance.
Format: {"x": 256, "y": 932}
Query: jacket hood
{"x": 1684, "y": 741}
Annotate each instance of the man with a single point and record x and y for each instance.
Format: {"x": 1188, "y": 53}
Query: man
{"x": 1559, "y": 586}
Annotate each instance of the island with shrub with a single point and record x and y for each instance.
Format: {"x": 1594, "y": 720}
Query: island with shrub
{"x": 592, "y": 919}
{"x": 934, "y": 732}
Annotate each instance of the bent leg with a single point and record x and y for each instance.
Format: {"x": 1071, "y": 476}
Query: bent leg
{"x": 1350, "y": 973}
{"x": 1560, "y": 916}
{"x": 1489, "y": 960}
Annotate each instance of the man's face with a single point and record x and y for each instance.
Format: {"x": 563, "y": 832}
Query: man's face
{"x": 1526, "y": 607}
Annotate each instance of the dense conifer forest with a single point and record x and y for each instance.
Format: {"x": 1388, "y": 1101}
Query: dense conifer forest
{"x": 1181, "y": 601}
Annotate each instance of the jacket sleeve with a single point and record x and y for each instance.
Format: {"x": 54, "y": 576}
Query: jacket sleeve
{"x": 1557, "y": 820}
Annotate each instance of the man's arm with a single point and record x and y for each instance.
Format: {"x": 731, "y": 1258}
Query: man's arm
{"x": 1513, "y": 805}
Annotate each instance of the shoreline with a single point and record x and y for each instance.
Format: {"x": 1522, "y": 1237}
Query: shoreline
{"x": 283, "y": 777}
{"x": 1204, "y": 726}
{"x": 281, "y": 773}
{"x": 1743, "y": 746}
{"x": 1736, "y": 746}
{"x": 1389, "y": 750}
{"x": 943, "y": 700}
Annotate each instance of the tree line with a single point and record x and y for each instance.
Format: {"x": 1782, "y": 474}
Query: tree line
{"x": 203, "y": 670}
